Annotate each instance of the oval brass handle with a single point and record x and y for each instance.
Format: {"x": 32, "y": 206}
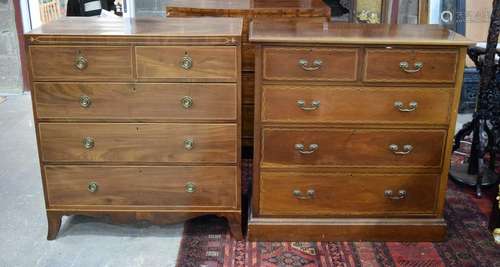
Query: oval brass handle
{"x": 186, "y": 62}
{"x": 299, "y": 195}
{"x": 190, "y": 187}
{"x": 405, "y": 66}
{"x": 93, "y": 187}
{"x": 406, "y": 149}
{"x": 188, "y": 144}
{"x": 88, "y": 142}
{"x": 302, "y": 150}
{"x": 316, "y": 65}
{"x": 390, "y": 194}
{"x": 81, "y": 62}
{"x": 187, "y": 102}
{"x": 85, "y": 101}
{"x": 314, "y": 105}
{"x": 412, "y": 106}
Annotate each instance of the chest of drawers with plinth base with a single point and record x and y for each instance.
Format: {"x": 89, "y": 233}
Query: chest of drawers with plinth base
{"x": 138, "y": 119}
{"x": 353, "y": 130}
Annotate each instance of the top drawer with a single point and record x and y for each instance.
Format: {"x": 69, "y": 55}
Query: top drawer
{"x": 410, "y": 65}
{"x": 311, "y": 64}
{"x": 75, "y": 63}
{"x": 187, "y": 63}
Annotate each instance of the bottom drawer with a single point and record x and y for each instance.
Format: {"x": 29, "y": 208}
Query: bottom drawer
{"x": 169, "y": 187}
{"x": 292, "y": 194}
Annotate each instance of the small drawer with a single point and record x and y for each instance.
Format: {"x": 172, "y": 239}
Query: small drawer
{"x": 310, "y": 64}
{"x": 170, "y": 101}
{"x": 349, "y": 195}
{"x": 138, "y": 142}
{"x": 75, "y": 63}
{"x": 162, "y": 187}
{"x": 328, "y": 104}
{"x": 187, "y": 63}
{"x": 352, "y": 147}
{"x": 410, "y": 65}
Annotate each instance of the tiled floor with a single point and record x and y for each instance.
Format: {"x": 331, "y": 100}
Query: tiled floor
{"x": 82, "y": 241}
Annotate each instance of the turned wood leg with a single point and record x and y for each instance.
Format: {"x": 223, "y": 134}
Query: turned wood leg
{"x": 235, "y": 227}
{"x": 54, "y": 224}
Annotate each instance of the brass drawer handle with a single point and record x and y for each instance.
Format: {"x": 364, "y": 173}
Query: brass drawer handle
{"x": 496, "y": 235}
{"x": 85, "y": 101}
{"x": 314, "y": 105}
{"x": 299, "y": 195}
{"x": 406, "y": 149}
{"x": 88, "y": 142}
{"x": 93, "y": 187}
{"x": 186, "y": 62}
{"x": 316, "y": 65}
{"x": 498, "y": 197}
{"x": 302, "y": 150}
{"x": 404, "y": 66}
{"x": 401, "y": 107}
{"x": 188, "y": 144}
{"x": 81, "y": 63}
{"x": 390, "y": 194}
{"x": 187, "y": 102}
{"x": 190, "y": 187}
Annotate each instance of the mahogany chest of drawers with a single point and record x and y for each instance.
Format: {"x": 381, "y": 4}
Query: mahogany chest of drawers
{"x": 138, "y": 119}
{"x": 353, "y": 130}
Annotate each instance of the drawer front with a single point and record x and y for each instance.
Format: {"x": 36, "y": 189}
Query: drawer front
{"x": 410, "y": 65}
{"x": 174, "y": 187}
{"x": 187, "y": 63}
{"x": 183, "y": 101}
{"x": 323, "y": 104}
{"x": 357, "y": 147}
{"x": 138, "y": 142}
{"x": 310, "y": 64}
{"x": 78, "y": 63}
{"x": 347, "y": 195}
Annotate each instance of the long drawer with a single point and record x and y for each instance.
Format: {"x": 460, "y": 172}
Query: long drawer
{"x": 173, "y": 187}
{"x": 81, "y": 63}
{"x": 187, "y": 63}
{"x": 325, "y": 104}
{"x": 181, "y": 101}
{"x": 310, "y": 64}
{"x": 138, "y": 142}
{"x": 410, "y": 65}
{"x": 306, "y": 194}
{"x": 352, "y": 147}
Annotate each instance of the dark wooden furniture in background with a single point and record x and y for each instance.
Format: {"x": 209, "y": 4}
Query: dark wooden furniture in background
{"x": 248, "y": 10}
{"x": 353, "y": 130}
{"x": 138, "y": 119}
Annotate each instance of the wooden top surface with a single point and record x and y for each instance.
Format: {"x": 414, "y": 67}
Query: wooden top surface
{"x": 248, "y": 4}
{"x": 175, "y": 27}
{"x": 348, "y": 33}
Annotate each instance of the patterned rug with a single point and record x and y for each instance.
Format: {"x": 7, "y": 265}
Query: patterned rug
{"x": 207, "y": 243}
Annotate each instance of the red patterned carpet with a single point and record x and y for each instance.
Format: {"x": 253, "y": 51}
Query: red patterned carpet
{"x": 207, "y": 243}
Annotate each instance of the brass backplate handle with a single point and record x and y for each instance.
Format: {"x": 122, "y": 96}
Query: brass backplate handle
{"x": 189, "y": 144}
{"x": 412, "y": 106}
{"x": 81, "y": 63}
{"x": 498, "y": 197}
{"x": 407, "y": 149}
{"x": 190, "y": 187}
{"x": 405, "y": 66}
{"x": 316, "y": 64}
{"x": 93, "y": 187}
{"x": 88, "y": 142}
{"x": 299, "y": 195}
{"x": 302, "y": 149}
{"x": 186, "y": 62}
{"x": 496, "y": 235}
{"x": 187, "y": 102}
{"x": 85, "y": 101}
{"x": 390, "y": 194}
{"x": 314, "y": 105}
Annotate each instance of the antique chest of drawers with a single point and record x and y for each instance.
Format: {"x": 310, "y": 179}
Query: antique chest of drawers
{"x": 138, "y": 119}
{"x": 310, "y": 10}
{"x": 353, "y": 130}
